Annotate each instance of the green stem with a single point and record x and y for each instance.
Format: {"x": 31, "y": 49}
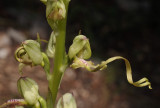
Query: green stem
{"x": 60, "y": 59}
{"x": 49, "y": 99}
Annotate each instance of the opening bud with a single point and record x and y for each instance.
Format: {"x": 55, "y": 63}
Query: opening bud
{"x": 29, "y": 53}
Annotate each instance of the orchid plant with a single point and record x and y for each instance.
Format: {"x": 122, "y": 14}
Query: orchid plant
{"x": 30, "y": 53}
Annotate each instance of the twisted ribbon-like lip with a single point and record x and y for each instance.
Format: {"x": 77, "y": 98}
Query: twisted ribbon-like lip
{"x": 17, "y": 54}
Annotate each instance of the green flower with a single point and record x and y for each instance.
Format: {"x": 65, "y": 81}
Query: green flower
{"x": 29, "y": 53}
{"x": 80, "y": 50}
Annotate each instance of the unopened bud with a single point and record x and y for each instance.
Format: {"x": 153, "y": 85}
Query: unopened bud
{"x": 67, "y": 101}
{"x": 28, "y": 88}
{"x": 56, "y": 11}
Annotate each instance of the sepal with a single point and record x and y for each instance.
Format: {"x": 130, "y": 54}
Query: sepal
{"x": 80, "y": 48}
{"x": 33, "y": 50}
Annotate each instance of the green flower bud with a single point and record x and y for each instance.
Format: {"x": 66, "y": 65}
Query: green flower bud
{"x": 29, "y": 53}
{"x": 80, "y": 48}
{"x": 67, "y": 101}
{"x": 55, "y": 10}
{"x": 28, "y": 88}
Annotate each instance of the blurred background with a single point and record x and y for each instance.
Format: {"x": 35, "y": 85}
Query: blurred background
{"x": 128, "y": 28}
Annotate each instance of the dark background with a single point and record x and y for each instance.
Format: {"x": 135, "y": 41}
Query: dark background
{"x": 128, "y": 28}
